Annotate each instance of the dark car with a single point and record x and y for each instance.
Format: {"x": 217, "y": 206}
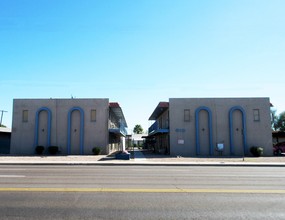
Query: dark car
{"x": 279, "y": 148}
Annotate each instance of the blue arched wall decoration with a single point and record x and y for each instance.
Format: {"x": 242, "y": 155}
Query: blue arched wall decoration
{"x": 36, "y": 140}
{"x": 209, "y": 127}
{"x": 81, "y": 130}
{"x": 243, "y": 128}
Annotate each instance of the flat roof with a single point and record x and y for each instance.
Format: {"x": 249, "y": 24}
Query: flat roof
{"x": 160, "y": 108}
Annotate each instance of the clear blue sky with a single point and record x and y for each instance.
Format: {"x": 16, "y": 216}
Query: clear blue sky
{"x": 140, "y": 52}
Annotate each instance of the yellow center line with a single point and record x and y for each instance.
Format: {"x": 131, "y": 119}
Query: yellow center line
{"x": 123, "y": 190}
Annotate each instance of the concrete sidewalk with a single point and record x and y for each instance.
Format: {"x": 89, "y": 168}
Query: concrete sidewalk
{"x": 138, "y": 155}
{"x": 141, "y": 159}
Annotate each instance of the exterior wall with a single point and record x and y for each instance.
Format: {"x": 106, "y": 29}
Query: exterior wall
{"x": 162, "y": 144}
{"x": 66, "y": 117}
{"x": 185, "y": 134}
{"x": 163, "y": 120}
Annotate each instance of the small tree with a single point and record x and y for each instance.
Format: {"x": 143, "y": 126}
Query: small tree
{"x": 281, "y": 122}
{"x": 138, "y": 129}
{"x": 274, "y": 120}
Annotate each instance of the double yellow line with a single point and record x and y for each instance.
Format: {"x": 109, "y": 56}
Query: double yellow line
{"x": 134, "y": 190}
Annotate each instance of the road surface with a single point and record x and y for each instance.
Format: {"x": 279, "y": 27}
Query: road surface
{"x": 141, "y": 192}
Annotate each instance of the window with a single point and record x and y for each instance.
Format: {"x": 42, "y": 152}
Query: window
{"x": 186, "y": 114}
{"x": 93, "y": 114}
{"x": 25, "y": 116}
{"x": 256, "y": 116}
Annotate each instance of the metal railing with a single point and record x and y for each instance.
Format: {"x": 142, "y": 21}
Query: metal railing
{"x": 121, "y": 128}
{"x": 153, "y": 127}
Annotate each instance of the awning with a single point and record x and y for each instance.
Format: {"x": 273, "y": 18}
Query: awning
{"x": 159, "y": 131}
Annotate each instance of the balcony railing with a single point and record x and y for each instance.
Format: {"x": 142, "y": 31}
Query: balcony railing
{"x": 115, "y": 129}
{"x": 153, "y": 127}
{"x": 123, "y": 130}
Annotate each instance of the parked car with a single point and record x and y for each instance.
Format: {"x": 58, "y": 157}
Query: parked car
{"x": 279, "y": 148}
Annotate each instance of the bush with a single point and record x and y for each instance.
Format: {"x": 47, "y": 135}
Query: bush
{"x": 53, "y": 150}
{"x": 40, "y": 150}
{"x": 96, "y": 150}
{"x": 256, "y": 151}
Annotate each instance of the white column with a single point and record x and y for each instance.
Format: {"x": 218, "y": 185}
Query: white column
{"x": 123, "y": 143}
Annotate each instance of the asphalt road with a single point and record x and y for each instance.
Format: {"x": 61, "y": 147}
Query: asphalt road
{"x": 129, "y": 192}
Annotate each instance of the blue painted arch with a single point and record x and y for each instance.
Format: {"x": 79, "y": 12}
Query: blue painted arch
{"x": 237, "y": 108}
{"x": 36, "y": 137}
{"x": 81, "y": 129}
{"x": 208, "y": 110}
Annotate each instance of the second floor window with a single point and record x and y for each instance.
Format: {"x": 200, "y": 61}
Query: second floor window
{"x": 256, "y": 116}
{"x": 186, "y": 115}
{"x": 93, "y": 115}
{"x": 25, "y": 116}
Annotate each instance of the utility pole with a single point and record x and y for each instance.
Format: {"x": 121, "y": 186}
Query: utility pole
{"x": 2, "y": 111}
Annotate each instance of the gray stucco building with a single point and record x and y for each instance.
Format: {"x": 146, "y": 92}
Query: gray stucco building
{"x": 76, "y": 126}
{"x": 211, "y": 126}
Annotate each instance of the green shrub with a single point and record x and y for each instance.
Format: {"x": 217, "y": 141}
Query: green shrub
{"x": 256, "y": 151}
{"x": 53, "y": 150}
{"x": 40, "y": 150}
{"x": 96, "y": 150}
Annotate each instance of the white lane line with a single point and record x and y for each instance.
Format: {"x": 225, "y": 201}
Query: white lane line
{"x": 11, "y": 169}
{"x": 12, "y": 176}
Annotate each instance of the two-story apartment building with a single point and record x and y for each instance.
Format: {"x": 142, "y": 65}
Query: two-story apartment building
{"x": 76, "y": 126}
{"x": 159, "y": 130}
{"x": 211, "y": 126}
